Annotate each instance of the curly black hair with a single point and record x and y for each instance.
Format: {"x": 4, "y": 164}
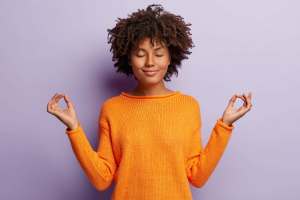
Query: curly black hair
{"x": 159, "y": 25}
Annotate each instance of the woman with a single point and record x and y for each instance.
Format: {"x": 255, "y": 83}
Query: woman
{"x": 149, "y": 138}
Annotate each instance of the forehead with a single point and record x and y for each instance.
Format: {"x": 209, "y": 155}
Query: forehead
{"x": 145, "y": 43}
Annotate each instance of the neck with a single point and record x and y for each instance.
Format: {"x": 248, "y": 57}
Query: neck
{"x": 156, "y": 89}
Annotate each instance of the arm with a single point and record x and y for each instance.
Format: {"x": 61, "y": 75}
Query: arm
{"x": 99, "y": 166}
{"x": 201, "y": 162}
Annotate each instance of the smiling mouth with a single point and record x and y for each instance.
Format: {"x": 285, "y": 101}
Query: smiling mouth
{"x": 150, "y": 72}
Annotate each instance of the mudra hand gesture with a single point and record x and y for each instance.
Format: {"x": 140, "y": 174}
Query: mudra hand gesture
{"x": 67, "y": 116}
{"x": 230, "y": 115}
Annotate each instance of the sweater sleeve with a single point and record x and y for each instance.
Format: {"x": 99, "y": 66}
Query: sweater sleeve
{"x": 99, "y": 166}
{"x": 201, "y": 162}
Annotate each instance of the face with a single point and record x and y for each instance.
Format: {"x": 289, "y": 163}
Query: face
{"x": 149, "y": 63}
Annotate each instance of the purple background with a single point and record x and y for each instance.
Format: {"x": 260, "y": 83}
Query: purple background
{"x": 61, "y": 46}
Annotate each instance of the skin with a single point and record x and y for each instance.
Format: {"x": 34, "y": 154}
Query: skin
{"x": 147, "y": 57}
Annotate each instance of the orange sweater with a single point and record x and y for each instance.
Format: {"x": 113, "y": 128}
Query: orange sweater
{"x": 150, "y": 147}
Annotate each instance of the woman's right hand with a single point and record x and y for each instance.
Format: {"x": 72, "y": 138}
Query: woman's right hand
{"x": 67, "y": 116}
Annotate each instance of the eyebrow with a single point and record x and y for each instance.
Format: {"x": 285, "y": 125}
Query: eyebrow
{"x": 157, "y": 48}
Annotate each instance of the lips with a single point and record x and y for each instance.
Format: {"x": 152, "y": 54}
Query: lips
{"x": 150, "y": 72}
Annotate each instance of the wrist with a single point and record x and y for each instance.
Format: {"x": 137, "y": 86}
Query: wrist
{"x": 74, "y": 126}
{"x": 226, "y": 122}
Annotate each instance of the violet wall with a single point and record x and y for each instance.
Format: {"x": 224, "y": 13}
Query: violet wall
{"x": 61, "y": 46}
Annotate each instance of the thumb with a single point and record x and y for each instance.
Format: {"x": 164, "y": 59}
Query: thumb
{"x": 232, "y": 101}
{"x": 68, "y": 101}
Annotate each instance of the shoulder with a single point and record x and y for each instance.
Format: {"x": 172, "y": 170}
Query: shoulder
{"x": 191, "y": 100}
{"x": 109, "y": 104}
{"x": 110, "y": 101}
{"x": 108, "y": 110}
{"x": 193, "y": 108}
{"x": 112, "y": 105}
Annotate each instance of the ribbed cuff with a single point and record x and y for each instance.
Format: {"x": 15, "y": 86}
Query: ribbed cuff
{"x": 224, "y": 125}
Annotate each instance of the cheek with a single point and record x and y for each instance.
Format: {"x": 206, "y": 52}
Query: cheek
{"x": 163, "y": 65}
{"x": 164, "y": 70}
{"x": 138, "y": 63}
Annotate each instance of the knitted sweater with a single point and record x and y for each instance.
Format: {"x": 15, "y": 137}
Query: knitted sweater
{"x": 150, "y": 147}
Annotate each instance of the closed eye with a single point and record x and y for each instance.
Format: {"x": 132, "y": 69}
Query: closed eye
{"x": 156, "y": 55}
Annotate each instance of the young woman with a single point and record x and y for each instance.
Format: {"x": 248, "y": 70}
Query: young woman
{"x": 149, "y": 138}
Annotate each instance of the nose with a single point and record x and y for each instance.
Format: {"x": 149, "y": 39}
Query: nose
{"x": 150, "y": 61}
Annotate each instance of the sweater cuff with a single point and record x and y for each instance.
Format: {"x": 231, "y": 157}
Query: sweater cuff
{"x": 76, "y": 130}
{"x": 224, "y": 125}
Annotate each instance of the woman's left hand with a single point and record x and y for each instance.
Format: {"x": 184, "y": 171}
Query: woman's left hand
{"x": 230, "y": 115}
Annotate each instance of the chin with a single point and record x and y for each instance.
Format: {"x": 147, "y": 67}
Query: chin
{"x": 151, "y": 80}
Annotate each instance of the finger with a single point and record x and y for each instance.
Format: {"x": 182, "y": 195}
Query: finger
{"x": 58, "y": 97}
{"x": 48, "y": 107}
{"x": 240, "y": 97}
{"x": 53, "y": 96}
{"x": 246, "y": 106}
{"x": 240, "y": 109}
{"x": 68, "y": 101}
{"x": 243, "y": 97}
{"x": 233, "y": 99}
{"x": 243, "y": 109}
{"x": 53, "y": 103}
{"x": 246, "y": 101}
{"x": 249, "y": 99}
{"x": 51, "y": 108}
{"x": 250, "y": 96}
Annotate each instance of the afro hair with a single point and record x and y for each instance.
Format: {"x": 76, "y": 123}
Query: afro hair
{"x": 158, "y": 25}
